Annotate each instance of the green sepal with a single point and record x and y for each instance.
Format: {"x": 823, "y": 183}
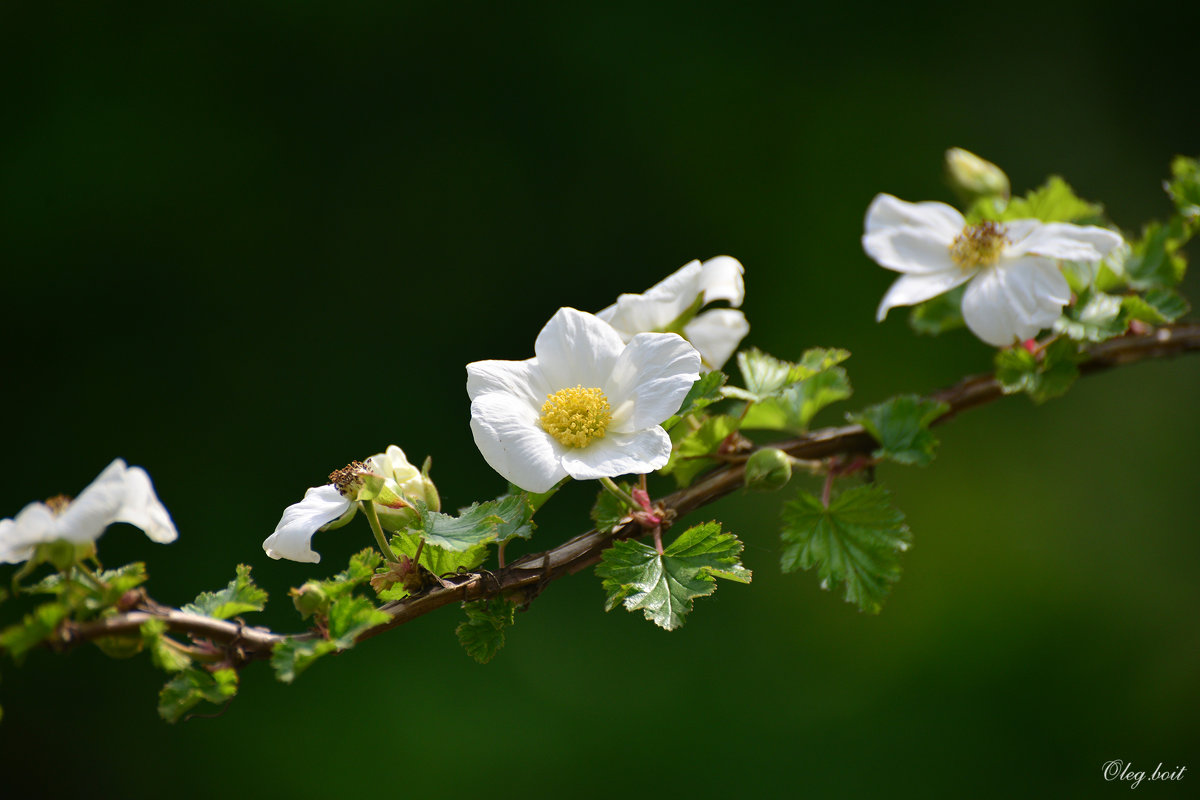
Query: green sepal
{"x": 162, "y": 654}
{"x": 1054, "y": 201}
{"x": 939, "y": 315}
{"x": 688, "y": 457}
{"x": 793, "y": 407}
{"x": 1018, "y": 370}
{"x": 239, "y": 597}
{"x": 609, "y": 512}
{"x": 483, "y": 634}
{"x": 191, "y": 686}
{"x": 901, "y": 426}
{"x": 664, "y": 586}
{"x": 704, "y": 392}
{"x": 34, "y": 628}
{"x": 857, "y": 540}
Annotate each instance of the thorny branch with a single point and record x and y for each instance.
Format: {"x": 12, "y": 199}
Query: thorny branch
{"x": 530, "y": 574}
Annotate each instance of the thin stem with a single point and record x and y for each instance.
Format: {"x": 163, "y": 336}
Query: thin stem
{"x": 658, "y": 539}
{"x": 377, "y": 529}
{"x": 619, "y": 493}
{"x": 827, "y": 489}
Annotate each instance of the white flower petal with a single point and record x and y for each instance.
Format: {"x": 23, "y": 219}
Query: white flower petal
{"x": 721, "y": 279}
{"x": 913, "y": 250}
{"x": 292, "y": 538}
{"x": 576, "y": 349}
{"x": 507, "y": 433}
{"x": 649, "y": 380}
{"x": 34, "y": 524}
{"x": 519, "y": 378}
{"x": 142, "y": 508}
{"x": 96, "y": 507}
{"x": 619, "y": 454}
{"x": 911, "y": 289}
{"x": 1014, "y": 300}
{"x": 1065, "y": 241}
{"x": 716, "y": 334}
{"x": 888, "y": 213}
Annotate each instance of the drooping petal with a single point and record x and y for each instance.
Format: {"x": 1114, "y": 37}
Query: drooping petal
{"x": 1014, "y": 300}
{"x": 507, "y": 433}
{"x": 576, "y": 349}
{"x": 721, "y": 279}
{"x": 716, "y": 334}
{"x": 142, "y": 508}
{"x": 619, "y": 454}
{"x": 649, "y": 380}
{"x": 519, "y": 378}
{"x": 292, "y": 538}
{"x": 887, "y": 212}
{"x": 96, "y": 507}
{"x": 911, "y": 289}
{"x": 1065, "y": 241}
{"x": 912, "y": 250}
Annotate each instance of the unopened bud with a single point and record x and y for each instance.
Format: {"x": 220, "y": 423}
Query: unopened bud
{"x": 974, "y": 178}
{"x": 768, "y": 470}
{"x": 310, "y": 599}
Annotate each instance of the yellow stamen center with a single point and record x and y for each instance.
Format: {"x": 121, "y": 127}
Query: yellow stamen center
{"x": 979, "y": 245}
{"x": 58, "y": 504}
{"x": 576, "y": 417}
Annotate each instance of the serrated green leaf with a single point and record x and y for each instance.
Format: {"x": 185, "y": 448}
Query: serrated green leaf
{"x": 494, "y": 521}
{"x": 857, "y": 541}
{"x": 292, "y": 656}
{"x": 483, "y": 634}
{"x": 165, "y": 657}
{"x": 351, "y": 616}
{"x": 191, "y": 686}
{"x": 901, "y": 426}
{"x": 1054, "y": 201}
{"x": 1154, "y": 262}
{"x": 1168, "y": 303}
{"x": 239, "y": 597}
{"x": 438, "y": 560}
{"x": 688, "y": 458}
{"x": 360, "y": 569}
{"x": 766, "y": 375}
{"x": 1095, "y": 317}
{"x": 34, "y": 628}
{"x": 704, "y": 392}
{"x": 664, "y": 586}
{"x": 793, "y": 407}
{"x": 939, "y": 315}
{"x": 609, "y": 512}
{"x": 1018, "y": 370}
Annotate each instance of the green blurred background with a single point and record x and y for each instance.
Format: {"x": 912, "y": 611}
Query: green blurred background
{"x": 246, "y": 243}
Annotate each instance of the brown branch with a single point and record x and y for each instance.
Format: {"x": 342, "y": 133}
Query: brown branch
{"x": 530, "y": 574}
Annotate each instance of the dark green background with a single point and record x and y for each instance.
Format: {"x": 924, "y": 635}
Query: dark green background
{"x": 244, "y": 244}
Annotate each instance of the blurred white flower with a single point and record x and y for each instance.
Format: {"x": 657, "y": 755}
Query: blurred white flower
{"x": 587, "y": 405}
{"x": 1016, "y": 288}
{"x": 674, "y": 305}
{"x": 386, "y": 479}
{"x": 119, "y": 494}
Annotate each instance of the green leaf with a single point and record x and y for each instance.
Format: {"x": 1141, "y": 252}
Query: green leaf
{"x": 1095, "y": 317}
{"x": 191, "y": 686}
{"x": 704, "y": 392}
{"x": 857, "y": 541}
{"x": 351, "y": 616}
{"x": 483, "y": 634}
{"x": 609, "y": 512}
{"x": 688, "y": 458}
{"x": 239, "y": 597}
{"x": 1184, "y": 186}
{"x": 494, "y": 521}
{"x": 901, "y": 426}
{"x": 942, "y": 313}
{"x": 1054, "y": 201}
{"x": 766, "y": 375}
{"x": 1155, "y": 262}
{"x": 162, "y": 654}
{"x": 34, "y": 628}
{"x": 1018, "y": 370}
{"x": 664, "y": 586}
{"x": 1168, "y": 303}
{"x": 793, "y": 407}
{"x": 438, "y": 560}
{"x": 292, "y": 656}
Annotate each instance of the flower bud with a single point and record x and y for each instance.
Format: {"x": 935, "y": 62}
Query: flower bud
{"x": 310, "y": 599}
{"x": 768, "y": 470}
{"x": 974, "y": 178}
{"x": 408, "y": 482}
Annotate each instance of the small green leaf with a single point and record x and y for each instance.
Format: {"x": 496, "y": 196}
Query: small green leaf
{"x": 901, "y": 426}
{"x": 483, "y": 634}
{"x": 292, "y": 656}
{"x": 664, "y": 586}
{"x": 1184, "y": 186}
{"x": 704, "y": 392}
{"x": 494, "y": 521}
{"x": 688, "y": 458}
{"x": 36, "y": 627}
{"x": 438, "y": 560}
{"x": 793, "y": 407}
{"x": 764, "y": 374}
{"x": 1018, "y": 370}
{"x": 1054, "y": 201}
{"x": 164, "y": 656}
{"x": 942, "y": 313}
{"x": 239, "y": 597}
{"x": 1154, "y": 262}
{"x": 351, "y": 616}
{"x": 609, "y": 512}
{"x": 191, "y": 686}
{"x": 1095, "y": 317}
{"x": 857, "y": 541}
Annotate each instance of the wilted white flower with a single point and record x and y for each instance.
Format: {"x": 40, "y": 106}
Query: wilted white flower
{"x": 587, "y": 405}
{"x": 387, "y": 479}
{"x": 119, "y": 494}
{"x": 674, "y": 304}
{"x": 1016, "y": 288}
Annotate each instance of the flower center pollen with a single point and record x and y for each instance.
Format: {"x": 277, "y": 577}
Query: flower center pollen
{"x": 576, "y": 417}
{"x": 979, "y": 245}
{"x": 348, "y": 479}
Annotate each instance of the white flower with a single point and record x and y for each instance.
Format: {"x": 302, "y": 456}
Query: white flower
{"x": 672, "y": 304}
{"x": 119, "y": 494}
{"x": 386, "y": 477}
{"x": 1016, "y": 287}
{"x": 587, "y": 405}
